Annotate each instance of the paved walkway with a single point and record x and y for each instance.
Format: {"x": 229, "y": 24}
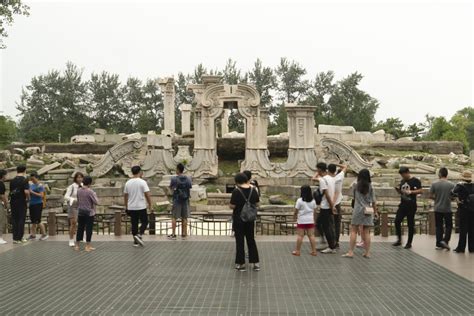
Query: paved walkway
{"x": 197, "y": 277}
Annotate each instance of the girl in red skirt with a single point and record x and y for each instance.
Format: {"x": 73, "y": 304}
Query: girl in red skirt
{"x": 304, "y": 215}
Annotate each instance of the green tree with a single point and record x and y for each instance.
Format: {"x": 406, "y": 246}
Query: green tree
{"x": 106, "y": 95}
{"x": 199, "y": 71}
{"x": 352, "y": 106}
{"x": 183, "y": 96}
{"x": 319, "y": 93}
{"x": 291, "y": 84}
{"x": 53, "y": 106}
{"x": 129, "y": 107}
{"x": 464, "y": 119}
{"x": 231, "y": 74}
{"x": 8, "y": 130}
{"x": 8, "y": 9}
{"x": 264, "y": 81}
{"x": 150, "y": 117}
{"x": 415, "y": 131}
{"x": 393, "y": 126}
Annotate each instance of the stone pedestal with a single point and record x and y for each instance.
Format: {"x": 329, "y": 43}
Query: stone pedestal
{"x": 301, "y": 154}
{"x": 185, "y": 118}
{"x": 167, "y": 89}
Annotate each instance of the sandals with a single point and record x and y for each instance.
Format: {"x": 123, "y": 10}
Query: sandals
{"x": 296, "y": 253}
{"x": 313, "y": 253}
{"x": 348, "y": 256}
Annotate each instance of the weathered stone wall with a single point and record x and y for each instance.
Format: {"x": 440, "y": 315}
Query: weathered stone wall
{"x": 441, "y": 147}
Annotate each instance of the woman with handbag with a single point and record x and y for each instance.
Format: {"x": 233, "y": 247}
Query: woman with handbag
{"x": 86, "y": 204}
{"x": 244, "y": 202}
{"x": 364, "y": 211}
{"x": 70, "y": 204}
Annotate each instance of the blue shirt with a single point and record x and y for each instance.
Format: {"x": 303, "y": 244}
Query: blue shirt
{"x": 34, "y": 199}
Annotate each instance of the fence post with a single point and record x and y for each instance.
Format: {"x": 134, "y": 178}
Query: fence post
{"x": 384, "y": 224}
{"x": 52, "y": 223}
{"x": 152, "y": 223}
{"x": 118, "y": 223}
{"x": 431, "y": 223}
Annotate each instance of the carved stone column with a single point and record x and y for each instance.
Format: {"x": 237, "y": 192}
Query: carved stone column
{"x": 225, "y": 121}
{"x": 167, "y": 88}
{"x": 301, "y": 154}
{"x": 185, "y": 118}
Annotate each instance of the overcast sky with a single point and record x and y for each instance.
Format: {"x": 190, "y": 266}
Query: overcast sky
{"x": 416, "y": 56}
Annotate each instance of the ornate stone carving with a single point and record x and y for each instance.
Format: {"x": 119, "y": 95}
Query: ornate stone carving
{"x": 115, "y": 154}
{"x": 337, "y": 151}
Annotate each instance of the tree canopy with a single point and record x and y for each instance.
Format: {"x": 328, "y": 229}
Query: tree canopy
{"x": 8, "y": 10}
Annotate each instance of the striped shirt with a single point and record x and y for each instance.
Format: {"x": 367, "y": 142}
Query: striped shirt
{"x": 87, "y": 199}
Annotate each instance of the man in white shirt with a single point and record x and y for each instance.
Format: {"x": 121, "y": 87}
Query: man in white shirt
{"x": 136, "y": 198}
{"x": 339, "y": 181}
{"x": 327, "y": 185}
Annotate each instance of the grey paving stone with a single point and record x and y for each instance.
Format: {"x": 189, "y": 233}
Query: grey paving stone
{"x": 197, "y": 278}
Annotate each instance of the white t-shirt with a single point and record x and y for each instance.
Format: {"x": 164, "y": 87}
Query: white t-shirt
{"x": 136, "y": 189}
{"x": 339, "y": 180}
{"x": 327, "y": 183}
{"x": 305, "y": 211}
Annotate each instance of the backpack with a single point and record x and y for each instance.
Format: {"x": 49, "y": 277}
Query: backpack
{"x": 469, "y": 200}
{"x": 249, "y": 210}
{"x": 318, "y": 196}
{"x": 182, "y": 190}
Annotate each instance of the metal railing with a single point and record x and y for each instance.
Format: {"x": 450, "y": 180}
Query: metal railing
{"x": 206, "y": 224}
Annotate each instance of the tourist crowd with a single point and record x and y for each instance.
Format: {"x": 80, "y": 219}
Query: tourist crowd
{"x": 316, "y": 210}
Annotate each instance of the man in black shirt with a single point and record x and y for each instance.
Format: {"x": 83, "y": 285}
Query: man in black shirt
{"x": 408, "y": 189}
{"x": 3, "y": 206}
{"x": 242, "y": 193}
{"x": 19, "y": 196}
{"x": 464, "y": 192}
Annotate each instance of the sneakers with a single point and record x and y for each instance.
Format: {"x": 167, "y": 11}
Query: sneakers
{"x": 139, "y": 240}
{"x": 44, "y": 237}
{"x": 32, "y": 237}
{"x": 329, "y": 250}
{"x": 458, "y": 250}
{"x": 407, "y": 246}
{"x": 438, "y": 247}
{"x": 71, "y": 243}
{"x": 171, "y": 237}
{"x": 444, "y": 245}
{"x": 2, "y": 241}
{"x": 24, "y": 241}
{"x": 397, "y": 243}
{"x": 256, "y": 267}
{"x": 240, "y": 267}
{"x": 360, "y": 244}
{"x": 17, "y": 242}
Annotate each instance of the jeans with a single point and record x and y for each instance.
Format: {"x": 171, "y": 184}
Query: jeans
{"x": 441, "y": 235}
{"x": 87, "y": 223}
{"x": 325, "y": 221}
{"x": 466, "y": 230}
{"x": 18, "y": 219}
{"x": 408, "y": 211}
{"x": 337, "y": 224}
{"x": 245, "y": 230}
{"x": 138, "y": 215}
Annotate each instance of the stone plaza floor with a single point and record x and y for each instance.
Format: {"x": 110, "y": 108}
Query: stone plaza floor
{"x": 196, "y": 277}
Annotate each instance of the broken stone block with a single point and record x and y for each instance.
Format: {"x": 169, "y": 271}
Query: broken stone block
{"x": 32, "y": 150}
{"x": 34, "y": 162}
{"x": 100, "y": 131}
{"x": 132, "y": 136}
{"x": 198, "y": 193}
{"x": 17, "y": 157}
{"x": 78, "y": 139}
{"x": 48, "y": 168}
{"x": 19, "y": 151}
{"x": 276, "y": 200}
{"x": 5, "y": 155}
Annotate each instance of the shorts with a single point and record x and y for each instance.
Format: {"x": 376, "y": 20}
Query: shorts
{"x": 72, "y": 212}
{"x": 35, "y": 213}
{"x": 305, "y": 226}
{"x": 180, "y": 210}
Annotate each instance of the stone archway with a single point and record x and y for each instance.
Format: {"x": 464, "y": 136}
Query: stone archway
{"x": 211, "y": 98}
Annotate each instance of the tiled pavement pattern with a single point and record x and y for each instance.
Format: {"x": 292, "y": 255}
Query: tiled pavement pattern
{"x": 197, "y": 277}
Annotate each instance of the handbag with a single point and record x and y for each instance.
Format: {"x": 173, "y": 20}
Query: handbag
{"x": 368, "y": 210}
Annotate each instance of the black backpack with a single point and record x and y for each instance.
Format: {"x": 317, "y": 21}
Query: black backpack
{"x": 318, "y": 196}
{"x": 249, "y": 210}
{"x": 469, "y": 200}
{"x": 182, "y": 190}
